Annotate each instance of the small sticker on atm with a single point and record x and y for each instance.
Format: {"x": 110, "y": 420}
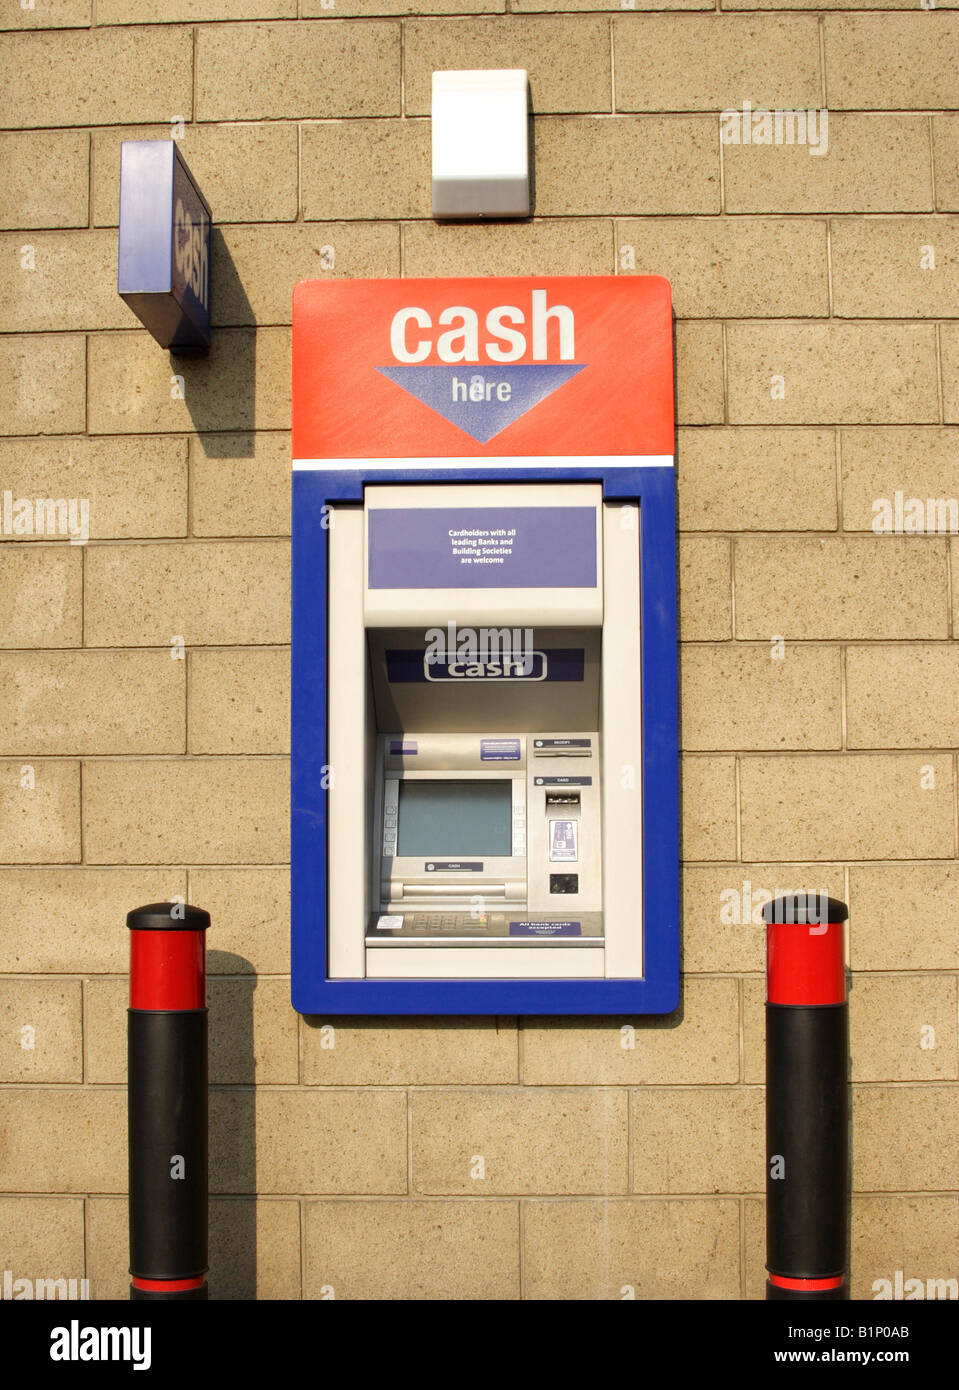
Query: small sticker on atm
{"x": 499, "y": 750}
{"x": 545, "y": 929}
{"x": 562, "y": 743}
{"x": 453, "y": 866}
{"x": 402, "y": 748}
{"x": 563, "y": 781}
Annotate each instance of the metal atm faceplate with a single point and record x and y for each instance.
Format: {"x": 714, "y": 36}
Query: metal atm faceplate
{"x": 506, "y": 879}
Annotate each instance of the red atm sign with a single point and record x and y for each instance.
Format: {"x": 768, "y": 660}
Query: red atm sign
{"x": 531, "y": 366}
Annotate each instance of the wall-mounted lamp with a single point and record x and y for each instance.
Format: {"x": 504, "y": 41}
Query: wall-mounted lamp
{"x": 163, "y": 265}
{"x": 481, "y": 146}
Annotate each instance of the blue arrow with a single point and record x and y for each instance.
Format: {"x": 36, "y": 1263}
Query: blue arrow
{"x": 481, "y": 401}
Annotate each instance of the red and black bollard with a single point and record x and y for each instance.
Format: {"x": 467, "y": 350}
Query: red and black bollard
{"x": 167, "y": 1101}
{"x": 807, "y": 1098}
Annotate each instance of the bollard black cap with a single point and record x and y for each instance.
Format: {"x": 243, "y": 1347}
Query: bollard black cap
{"x": 802, "y": 909}
{"x": 168, "y": 917}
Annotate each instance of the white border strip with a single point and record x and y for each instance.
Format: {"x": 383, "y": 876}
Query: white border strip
{"x": 406, "y": 465}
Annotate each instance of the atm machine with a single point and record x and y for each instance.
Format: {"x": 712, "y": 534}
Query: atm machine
{"x": 484, "y": 700}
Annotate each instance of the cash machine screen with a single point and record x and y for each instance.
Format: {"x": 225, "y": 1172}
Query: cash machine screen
{"x": 454, "y": 818}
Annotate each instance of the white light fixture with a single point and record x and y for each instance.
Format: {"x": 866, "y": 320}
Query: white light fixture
{"x": 481, "y": 144}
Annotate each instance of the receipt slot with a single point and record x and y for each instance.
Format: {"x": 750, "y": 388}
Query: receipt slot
{"x": 484, "y": 663}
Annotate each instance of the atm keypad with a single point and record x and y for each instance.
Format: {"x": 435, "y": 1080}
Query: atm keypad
{"x": 450, "y": 924}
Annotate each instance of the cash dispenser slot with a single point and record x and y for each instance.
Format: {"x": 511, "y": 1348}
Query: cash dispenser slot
{"x": 426, "y": 892}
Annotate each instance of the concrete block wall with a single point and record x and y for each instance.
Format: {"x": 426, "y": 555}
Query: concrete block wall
{"x": 144, "y": 676}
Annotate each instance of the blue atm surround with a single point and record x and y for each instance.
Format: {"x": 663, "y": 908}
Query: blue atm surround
{"x": 652, "y": 489}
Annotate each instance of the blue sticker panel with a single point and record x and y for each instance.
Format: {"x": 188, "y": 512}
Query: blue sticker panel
{"x": 499, "y": 750}
{"x": 545, "y": 929}
{"x": 481, "y": 402}
{"x": 402, "y": 748}
{"x": 482, "y": 548}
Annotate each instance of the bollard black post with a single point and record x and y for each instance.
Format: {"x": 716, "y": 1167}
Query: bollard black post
{"x": 807, "y": 1098}
{"x": 167, "y": 1102}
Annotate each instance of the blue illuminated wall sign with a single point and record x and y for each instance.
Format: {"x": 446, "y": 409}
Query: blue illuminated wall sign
{"x": 165, "y": 245}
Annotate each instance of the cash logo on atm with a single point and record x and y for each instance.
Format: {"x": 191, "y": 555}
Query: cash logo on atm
{"x": 413, "y": 665}
{"x": 518, "y": 666}
{"x": 436, "y": 360}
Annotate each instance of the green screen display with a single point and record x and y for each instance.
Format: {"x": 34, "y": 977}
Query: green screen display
{"x": 459, "y": 819}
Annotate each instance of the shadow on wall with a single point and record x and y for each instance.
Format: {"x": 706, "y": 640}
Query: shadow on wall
{"x": 219, "y": 388}
{"x": 233, "y": 1266}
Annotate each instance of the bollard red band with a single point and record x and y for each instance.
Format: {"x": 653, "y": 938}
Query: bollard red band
{"x": 805, "y": 964}
{"x": 806, "y": 1285}
{"x": 167, "y": 1285}
{"x": 167, "y": 970}
{"x": 805, "y": 955}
